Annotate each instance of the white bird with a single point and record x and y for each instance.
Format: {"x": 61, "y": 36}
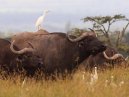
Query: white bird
{"x": 121, "y": 83}
{"x": 106, "y": 83}
{"x": 40, "y": 19}
{"x": 112, "y": 83}
{"x": 94, "y": 76}
{"x": 23, "y": 83}
{"x": 91, "y": 79}
{"x": 83, "y": 75}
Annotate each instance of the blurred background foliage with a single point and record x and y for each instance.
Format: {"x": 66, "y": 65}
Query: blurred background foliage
{"x": 102, "y": 26}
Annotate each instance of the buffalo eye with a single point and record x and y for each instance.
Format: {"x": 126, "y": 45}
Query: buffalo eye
{"x": 19, "y": 57}
{"x": 81, "y": 44}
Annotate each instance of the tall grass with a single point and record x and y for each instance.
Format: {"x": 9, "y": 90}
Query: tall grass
{"x": 75, "y": 87}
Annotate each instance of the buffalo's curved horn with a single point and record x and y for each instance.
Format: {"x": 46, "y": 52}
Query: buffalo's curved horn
{"x": 127, "y": 58}
{"x": 20, "y": 51}
{"x": 92, "y": 30}
{"x": 115, "y": 56}
{"x": 78, "y": 38}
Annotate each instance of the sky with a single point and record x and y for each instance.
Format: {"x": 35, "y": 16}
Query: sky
{"x": 21, "y": 15}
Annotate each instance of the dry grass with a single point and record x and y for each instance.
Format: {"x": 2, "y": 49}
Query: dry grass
{"x": 76, "y": 87}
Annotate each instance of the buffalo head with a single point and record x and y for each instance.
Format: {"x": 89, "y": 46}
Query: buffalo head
{"x": 107, "y": 58}
{"x": 28, "y": 61}
{"x": 113, "y": 56}
{"x": 88, "y": 43}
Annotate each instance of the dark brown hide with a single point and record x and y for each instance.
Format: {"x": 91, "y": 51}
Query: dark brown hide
{"x": 57, "y": 51}
{"x": 11, "y": 62}
{"x": 100, "y": 61}
{"x": 6, "y": 55}
{"x": 8, "y": 60}
{"x": 41, "y": 31}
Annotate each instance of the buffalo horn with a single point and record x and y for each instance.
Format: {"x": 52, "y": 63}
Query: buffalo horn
{"x": 78, "y": 38}
{"x": 20, "y": 51}
{"x": 93, "y": 31}
{"x": 115, "y": 56}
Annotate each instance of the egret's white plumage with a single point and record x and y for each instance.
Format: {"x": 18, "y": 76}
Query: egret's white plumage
{"x": 121, "y": 83}
{"x": 40, "y": 19}
{"x": 94, "y": 76}
{"x": 83, "y": 75}
{"x": 23, "y": 83}
{"x": 112, "y": 83}
{"x": 106, "y": 83}
{"x": 92, "y": 81}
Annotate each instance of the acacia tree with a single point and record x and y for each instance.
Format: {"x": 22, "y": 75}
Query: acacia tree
{"x": 122, "y": 33}
{"x": 103, "y": 23}
{"x": 77, "y": 31}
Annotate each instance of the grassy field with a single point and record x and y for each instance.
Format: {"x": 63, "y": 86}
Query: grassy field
{"x": 76, "y": 87}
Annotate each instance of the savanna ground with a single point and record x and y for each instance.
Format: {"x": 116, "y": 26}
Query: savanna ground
{"x": 75, "y": 87}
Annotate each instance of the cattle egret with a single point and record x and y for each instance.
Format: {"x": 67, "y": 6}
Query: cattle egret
{"x": 91, "y": 79}
{"x": 121, "y": 83}
{"x": 106, "y": 83}
{"x": 94, "y": 76}
{"x": 40, "y": 19}
{"x": 112, "y": 83}
{"x": 83, "y": 75}
{"x": 91, "y": 83}
{"x": 23, "y": 83}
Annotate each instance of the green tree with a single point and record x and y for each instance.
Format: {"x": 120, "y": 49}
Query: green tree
{"x": 77, "y": 32}
{"x": 121, "y": 34}
{"x": 103, "y": 23}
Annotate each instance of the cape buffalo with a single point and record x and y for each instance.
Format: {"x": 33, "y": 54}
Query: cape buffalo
{"x": 10, "y": 62}
{"x": 58, "y": 51}
{"x": 42, "y": 31}
{"x": 109, "y": 56}
{"x": 6, "y": 55}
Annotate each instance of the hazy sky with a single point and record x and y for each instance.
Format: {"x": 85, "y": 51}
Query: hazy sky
{"x": 20, "y": 15}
